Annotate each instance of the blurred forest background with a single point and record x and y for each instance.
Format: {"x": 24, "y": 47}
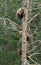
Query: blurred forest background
{"x": 10, "y": 38}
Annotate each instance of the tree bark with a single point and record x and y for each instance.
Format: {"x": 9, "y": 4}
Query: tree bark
{"x": 24, "y": 32}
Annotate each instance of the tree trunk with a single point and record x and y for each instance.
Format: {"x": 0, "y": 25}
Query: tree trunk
{"x": 24, "y": 32}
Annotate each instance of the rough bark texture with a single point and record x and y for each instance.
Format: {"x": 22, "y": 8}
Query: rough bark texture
{"x": 24, "y": 32}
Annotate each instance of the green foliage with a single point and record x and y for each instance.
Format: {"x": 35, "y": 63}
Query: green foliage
{"x": 9, "y": 8}
{"x": 9, "y": 46}
{"x": 10, "y": 40}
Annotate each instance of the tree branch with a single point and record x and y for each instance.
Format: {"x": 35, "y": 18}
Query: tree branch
{"x": 34, "y": 54}
{"x": 34, "y": 42}
{"x": 11, "y": 22}
{"x": 34, "y": 48}
{"x": 33, "y": 60}
{"x": 33, "y": 17}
